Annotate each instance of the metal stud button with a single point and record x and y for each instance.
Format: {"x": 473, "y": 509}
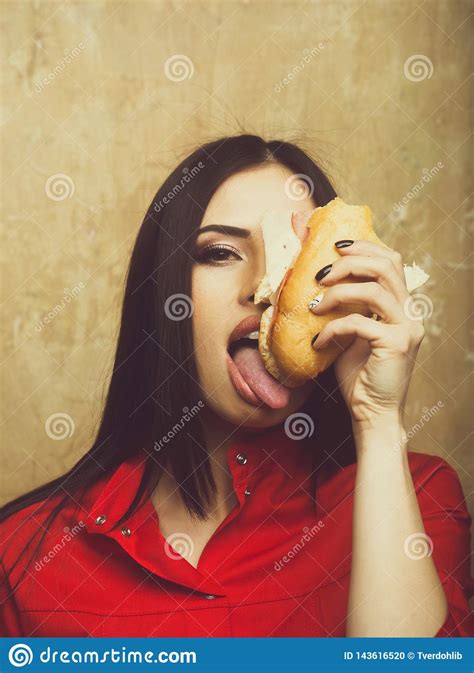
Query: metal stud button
{"x": 241, "y": 458}
{"x": 247, "y": 492}
{"x": 101, "y": 519}
{"x": 126, "y": 532}
{"x": 209, "y": 596}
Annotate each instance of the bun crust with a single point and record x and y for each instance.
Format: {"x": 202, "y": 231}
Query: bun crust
{"x": 288, "y": 328}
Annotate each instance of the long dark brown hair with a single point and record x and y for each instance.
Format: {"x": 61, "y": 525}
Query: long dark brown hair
{"x": 154, "y": 374}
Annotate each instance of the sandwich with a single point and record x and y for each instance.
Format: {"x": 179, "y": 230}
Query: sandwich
{"x": 297, "y": 245}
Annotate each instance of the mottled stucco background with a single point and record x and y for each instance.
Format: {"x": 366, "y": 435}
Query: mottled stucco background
{"x": 101, "y": 99}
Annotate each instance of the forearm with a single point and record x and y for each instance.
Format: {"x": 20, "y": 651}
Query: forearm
{"x": 393, "y": 591}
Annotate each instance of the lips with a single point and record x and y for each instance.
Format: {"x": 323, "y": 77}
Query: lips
{"x": 247, "y": 371}
{"x": 249, "y": 324}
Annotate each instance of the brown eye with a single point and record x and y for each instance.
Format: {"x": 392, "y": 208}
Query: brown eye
{"x": 217, "y": 254}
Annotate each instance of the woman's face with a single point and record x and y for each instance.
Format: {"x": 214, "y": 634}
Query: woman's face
{"x": 224, "y": 279}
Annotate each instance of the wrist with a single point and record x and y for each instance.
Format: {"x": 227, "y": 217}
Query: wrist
{"x": 384, "y": 432}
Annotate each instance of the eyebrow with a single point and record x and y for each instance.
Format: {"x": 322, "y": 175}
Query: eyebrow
{"x": 225, "y": 229}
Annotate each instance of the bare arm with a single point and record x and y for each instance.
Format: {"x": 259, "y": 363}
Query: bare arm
{"x": 395, "y": 589}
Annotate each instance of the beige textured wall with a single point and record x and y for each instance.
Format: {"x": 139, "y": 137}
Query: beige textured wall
{"x": 113, "y": 122}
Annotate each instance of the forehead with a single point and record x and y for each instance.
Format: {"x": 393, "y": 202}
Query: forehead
{"x": 244, "y": 197}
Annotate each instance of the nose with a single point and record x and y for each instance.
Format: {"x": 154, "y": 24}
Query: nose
{"x": 253, "y": 272}
{"x": 251, "y": 301}
{"x": 248, "y": 295}
{"x": 250, "y": 286}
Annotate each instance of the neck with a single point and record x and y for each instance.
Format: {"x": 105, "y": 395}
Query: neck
{"x": 218, "y": 435}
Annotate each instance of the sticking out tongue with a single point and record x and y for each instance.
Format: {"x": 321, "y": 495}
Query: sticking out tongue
{"x": 259, "y": 380}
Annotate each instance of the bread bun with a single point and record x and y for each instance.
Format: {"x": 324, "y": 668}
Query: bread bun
{"x": 288, "y": 327}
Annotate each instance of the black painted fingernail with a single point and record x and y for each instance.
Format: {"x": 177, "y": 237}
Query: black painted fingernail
{"x": 344, "y": 243}
{"x": 323, "y": 272}
{"x": 314, "y": 338}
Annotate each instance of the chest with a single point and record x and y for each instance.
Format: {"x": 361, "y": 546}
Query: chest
{"x": 188, "y": 539}
{"x": 187, "y": 536}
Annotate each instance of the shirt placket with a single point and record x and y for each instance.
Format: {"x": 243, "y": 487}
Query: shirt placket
{"x": 141, "y": 538}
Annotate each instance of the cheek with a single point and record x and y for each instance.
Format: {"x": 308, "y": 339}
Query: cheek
{"x": 210, "y": 329}
{"x": 212, "y": 294}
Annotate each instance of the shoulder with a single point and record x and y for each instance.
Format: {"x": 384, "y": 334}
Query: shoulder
{"x": 37, "y": 524}
{"x": 437, "y": 484}
{"x": 424, "y": 466}
{"x": 17, "y": 527}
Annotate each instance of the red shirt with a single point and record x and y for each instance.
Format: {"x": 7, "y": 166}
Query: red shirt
{"x": 272, "y": 568}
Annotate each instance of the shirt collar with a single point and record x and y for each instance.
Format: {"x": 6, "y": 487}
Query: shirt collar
{"x": 280, "y": 447}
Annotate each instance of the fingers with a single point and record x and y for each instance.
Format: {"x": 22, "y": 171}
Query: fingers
{"x": 370, "y": 294}
{"x": 355, "y": 325}
{"x": 380, "y": 269}
{"x": 369, "y": 249}
{"x": 384, "y": 294}
{"x": 396, "y": 337}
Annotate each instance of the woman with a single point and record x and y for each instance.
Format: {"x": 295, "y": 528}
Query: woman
{"x": 202, "y": 510}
